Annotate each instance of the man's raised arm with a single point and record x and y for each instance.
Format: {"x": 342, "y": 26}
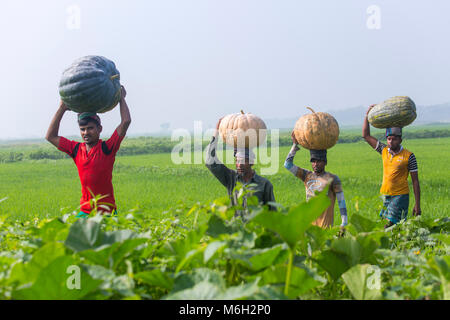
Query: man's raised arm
{"x": 366, "y": 130}
{"x": 217, "y": 168}
{"x": 289, "y": 162}
{"x": 124, "y": 114}
{"x": 52, "y": 132}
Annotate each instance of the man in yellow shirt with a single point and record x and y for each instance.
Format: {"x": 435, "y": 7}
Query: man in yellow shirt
{"x": 398, "y": 163}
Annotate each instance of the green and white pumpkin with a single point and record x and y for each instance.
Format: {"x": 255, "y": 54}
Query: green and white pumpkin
{"x": 398, "y": 111}
{"x": 90, "y": 84}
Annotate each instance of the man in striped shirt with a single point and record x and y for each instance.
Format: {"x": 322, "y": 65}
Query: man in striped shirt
{"x": 398, "y": 163}
{"x": 317, "y": 180}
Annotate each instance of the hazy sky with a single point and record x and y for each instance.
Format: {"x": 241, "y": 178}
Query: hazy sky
{"x": 188, "y": 60}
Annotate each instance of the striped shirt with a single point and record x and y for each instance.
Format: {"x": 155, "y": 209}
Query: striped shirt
{"x": 317, "y": 182}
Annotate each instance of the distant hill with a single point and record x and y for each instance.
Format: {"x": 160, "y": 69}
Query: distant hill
{"x": 354, "y": 116}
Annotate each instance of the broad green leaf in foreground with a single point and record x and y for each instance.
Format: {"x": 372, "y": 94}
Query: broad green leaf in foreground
{"x": 28, "y": 272}
{"x": 361, "y": 223}
{"x": 345, "y": 253}
{"x": 58, "y": 281}
{"x": 216, "y": 227}
{"x": 212, "y": 291}
{"x": 364, "y": 282}
{"x": 84, "y": 234}
{"x": 201, "y": 291}
{"x": 111, "y": 256}
{"x": 441, "y": 265}
{"x": 334, "y": 263}
{"x": 258, "y": 259}
{"x": 188, "y": 280}
{"x": 180, "y": 248}
{"x": 300, "y": 283}
{"x": 317, "y": 237}
{"x": 111, "y": 284}
{"x": 292, "y": 226}
{"x": 211, "y": 249}
{"x": 155, "y": 278}
{"x": 53, "y": 230}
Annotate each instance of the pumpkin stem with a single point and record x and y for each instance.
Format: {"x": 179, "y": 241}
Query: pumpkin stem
{"x": 310, "y": 109}
{"x": 114, "y": 76}
{"x": 242, "y": 112}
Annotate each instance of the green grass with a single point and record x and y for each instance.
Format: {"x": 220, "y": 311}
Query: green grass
{"x": 153, "y": 184}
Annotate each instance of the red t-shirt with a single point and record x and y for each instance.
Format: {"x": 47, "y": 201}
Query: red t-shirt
{"x": 95, "y": 170}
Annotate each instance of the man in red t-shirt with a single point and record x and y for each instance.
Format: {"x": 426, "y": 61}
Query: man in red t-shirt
{"x": 94, "y": 158}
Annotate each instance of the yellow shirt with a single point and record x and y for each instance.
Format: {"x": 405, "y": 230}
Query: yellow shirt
{"x": 395, "y": 172}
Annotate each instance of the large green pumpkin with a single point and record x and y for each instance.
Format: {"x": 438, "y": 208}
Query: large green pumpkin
{"x": 397, "y": 111}
{"x": 90, "y": 84}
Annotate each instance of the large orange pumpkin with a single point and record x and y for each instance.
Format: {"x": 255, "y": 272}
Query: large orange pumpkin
{"x": 241, "y": 130}
{"x": 316, "y": 131}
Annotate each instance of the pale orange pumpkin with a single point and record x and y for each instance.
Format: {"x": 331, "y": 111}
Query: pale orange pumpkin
{"x": 242, "y": 130}
{"x": 316, "y": 131}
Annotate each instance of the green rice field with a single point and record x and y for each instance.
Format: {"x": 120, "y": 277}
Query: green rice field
{"x": 153, "y": 184}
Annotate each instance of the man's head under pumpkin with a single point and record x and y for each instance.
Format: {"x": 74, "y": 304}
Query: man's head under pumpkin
{"x": 394, "y": 138}
{"x": 90, "y": 127}
{"x": 245, "y": 158}
{"x": 318, "y": 160}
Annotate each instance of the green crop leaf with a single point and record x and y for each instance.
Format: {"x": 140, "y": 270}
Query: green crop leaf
{"x": 111, "y": 237}
{"x": 361, "y": 223}
{"x": 28, "y": 272}
{"x": 444, "y": 238}
{"x": 217, "y": 226}
{"x": 56, "y": 282}
{"x": 318, "y": 237}
{"x": 212, "y": 287}
{"x": 100, "y": 273}
{"x": 84, "y": 234}
{"x": 267, "y": 292}
{"x": 348, "y": 247}
{"x": 343, "y": 254}
{"x": 240, "y": 292}
{"x": 181, "y": 247}
{"x": 155, "y": 278}
{"x": 292, "y": 226}
{"x": 441, "y": 265}
{"x": 211, "y": 249}
{"x": 201, "y": 291}
{"x": 369, "y": 243}
{"x": 301, "y": 281}
{"x": 111, "y": 255}
{"x": 263, "y": 258}
{"x": 188, "y": 280}
{"x": 333, "y": 263}
{"x": 53, "y": 230}
{"x": 258, "y": 259}
{"x": 364, "y": 282}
